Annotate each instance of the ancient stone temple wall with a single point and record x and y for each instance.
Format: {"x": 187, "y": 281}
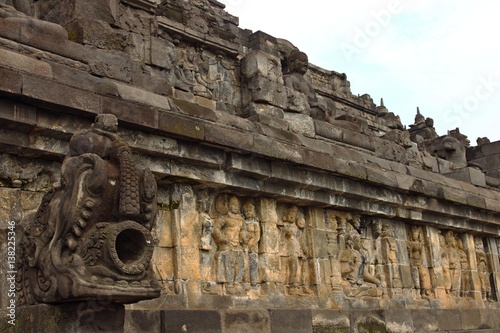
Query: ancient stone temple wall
{"x": 283, "y": 201}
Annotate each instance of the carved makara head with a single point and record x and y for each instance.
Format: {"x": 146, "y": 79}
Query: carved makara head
{"x": 91, "y": 236}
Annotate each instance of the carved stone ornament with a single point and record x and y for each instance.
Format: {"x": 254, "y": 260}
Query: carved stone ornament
{"x": 90, "y": 238}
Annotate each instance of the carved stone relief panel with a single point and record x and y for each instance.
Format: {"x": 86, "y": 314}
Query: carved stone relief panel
{"x": 248, "y": 244}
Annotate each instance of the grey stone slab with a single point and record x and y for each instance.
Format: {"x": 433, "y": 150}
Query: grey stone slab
{"x": 192, "y": 321}
{"x": 246, "y": 321}
{"x": 286, "y": 321}
{"x": 142, "y": 321}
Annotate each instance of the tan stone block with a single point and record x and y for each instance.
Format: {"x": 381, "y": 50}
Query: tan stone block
{"x": 270, "y": 268}
{"x": 164, "y": 232}
{"x": 162, "y": 263}
{"x": 24, "y": 63}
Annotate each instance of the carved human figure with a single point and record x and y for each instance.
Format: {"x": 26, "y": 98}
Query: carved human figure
{"x": 389, "y": 248}
{"x": 464, "y": 269}
{"x": 93, "y": 231}
{"x": 206, "y": 242}
{"x": 483, "y": 269}
{"x": 351, "y": 262}
{"x": 228, "y": 234}
{"x": 454, "y": 263}
{"x": 420, "y": 273}
{"x": 251, "y": 237}
{"x": 291, "y": 249}
{"x": 298, "y": 64}
{"x": 445, "y": 264}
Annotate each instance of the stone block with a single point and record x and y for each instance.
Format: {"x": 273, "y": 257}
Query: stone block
{"x": 261, "y": 64}
{"x": 331, "y": 321}
{"x": 24, "y": 63}
{"x": 180, "y": 126}
{"x": 195, "y": 110}
{"x": 399, "y": 321}
{"x": 358, "y": 140}
{"x": 201, "y": 154}
{"x": 286, "y": 321}
{"x": 246, "y": 321}
{"x": 142, "y": 321}
{"x": 300, "y": 123}
{"x": 113, "y": 65}
{"x": 368, "y": 321}
{"x": 470, "y": 319}
{"x": 425, "y": 320}
{"x": 61, "y": 96}
{"x": 471, "y": 175}
{"x": 228, "y": 137}
{"x": 318, "y": 160}
{"x": 192, "y": 321}
{"x": 162, "y": 53}
{"x": 83, "y": 80}
{"x": 100, "y": 34}
{"x": 11, "y": 82}
{"x": 233, "y": 121}
{"x": 270, "y": 147}
{"x": 449, "y": 319}
{"x": 253, "y": 166}
{"x": 281, "y": 171}
{"x": 328, "y": 130}
{"x": 319, "y": 243}
{"x": 84, "y": 317}
{"x": 279, "y": 134}
{"x": 263, "y": 90}
{"x": 266, "y": 114}
{"x": 205, "y": 102}
{"x": 270, "y": 268}
{"x": 133, "y": 94}
{"x": 131, "y": 113}
{"x": 491, "y": 148}
{"x": 22, "y": 116}
{"x": 490, "y": 318}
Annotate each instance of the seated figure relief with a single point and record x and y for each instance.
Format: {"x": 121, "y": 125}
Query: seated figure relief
{"x": 91, "y": 235}
{"x": 297, "y": 67}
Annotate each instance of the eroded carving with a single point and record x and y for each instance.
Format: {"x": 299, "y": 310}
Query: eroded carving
{"x": 91, "y": 236}
{"x": 419, "y": 269}
{"x": 228, "y": 234}
{"x": 483, "y": 269}
{"x": 294, "y": 79}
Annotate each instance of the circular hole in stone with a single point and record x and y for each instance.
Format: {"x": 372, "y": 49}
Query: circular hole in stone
{"x": 130, "y": 246}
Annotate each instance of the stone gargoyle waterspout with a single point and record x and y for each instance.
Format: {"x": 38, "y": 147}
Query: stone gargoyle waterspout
{"x": 90, "y": 238}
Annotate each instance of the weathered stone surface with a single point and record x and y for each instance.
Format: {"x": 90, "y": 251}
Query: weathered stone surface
{"x": 61, "y": 96}
{"x": 113, "y": 65}
{"x": 191, "y": 321}
{"x": 283, "y": 321}
{"x": 142, "y": 321}
{"x": 470, "y": 175}
{"x": 328, "y": 207}
{"x": 300, "y": 123}
{"x": 133, "y": 94}
{"x": 138, "y": 115}
{"x": 238, "y": 321}
{"x": 24, "y": 63}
